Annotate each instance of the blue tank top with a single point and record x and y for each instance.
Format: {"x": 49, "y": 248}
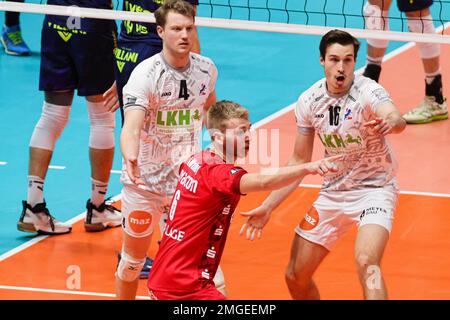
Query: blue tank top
{"x": 137, "y": 31}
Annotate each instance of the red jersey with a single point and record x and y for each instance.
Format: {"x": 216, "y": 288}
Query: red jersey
{"x": 197, "y": 224}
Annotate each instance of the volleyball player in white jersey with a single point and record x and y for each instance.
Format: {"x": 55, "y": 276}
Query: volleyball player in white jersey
{"x": 351, "y": 116}
{"x": 164, "y": 101}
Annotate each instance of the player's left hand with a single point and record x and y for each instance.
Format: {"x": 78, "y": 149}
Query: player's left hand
{"x": 111, "y": 99}
{"x": 257, "y": 219}
{"x": 379, "y": 126}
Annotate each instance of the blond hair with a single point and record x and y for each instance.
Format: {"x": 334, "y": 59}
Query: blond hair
{"x": 178, "y": 6}
{"x": 222, "y": 111}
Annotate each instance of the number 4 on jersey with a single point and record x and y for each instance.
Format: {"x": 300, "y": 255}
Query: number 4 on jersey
{"x": 183, "y": 90}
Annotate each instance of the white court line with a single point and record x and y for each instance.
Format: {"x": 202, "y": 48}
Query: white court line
{"x": 81, "y": 293}
{"x": 2, "y": 163}
{"x": 116, "y": 171}
{"x": 57, "y": 167}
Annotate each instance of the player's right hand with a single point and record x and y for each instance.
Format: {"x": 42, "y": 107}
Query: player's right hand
{"x": 325, "y": 165}
{"x": 111, "y": 99}
{"x": 133, "y": 171}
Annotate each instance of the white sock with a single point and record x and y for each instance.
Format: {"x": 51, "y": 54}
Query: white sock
{"x": 98, "y": 192}
{"x": 35, "y": 190}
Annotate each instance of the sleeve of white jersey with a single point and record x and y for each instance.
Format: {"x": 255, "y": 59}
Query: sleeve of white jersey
{"x": 214, "y": 74}
{"x": 137, "y": 91}
{"x": 303, "y": 117}
{"x": 376, "y": 96}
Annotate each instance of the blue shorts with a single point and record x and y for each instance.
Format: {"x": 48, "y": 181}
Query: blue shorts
{"x": 76, "y": 59}
{"x": 413, "y": 5}
{"x": 128, "y": 55}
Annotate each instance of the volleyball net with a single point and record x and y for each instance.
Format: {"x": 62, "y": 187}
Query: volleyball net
{"x": 309, "y": 17}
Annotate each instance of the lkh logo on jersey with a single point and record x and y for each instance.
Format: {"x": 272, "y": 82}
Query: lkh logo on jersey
{"x": 139, "y": 221}
{"x": 310, "y": 220}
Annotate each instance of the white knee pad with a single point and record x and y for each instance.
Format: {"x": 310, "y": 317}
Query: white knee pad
{"x": 129, "y": 268}
{"x": 376, "y": 20}
{"x": 49, "y": 127}
{"x": 425, "y": 25}
{"x": 103, "y": 123}
{"x": 219, "y": 281}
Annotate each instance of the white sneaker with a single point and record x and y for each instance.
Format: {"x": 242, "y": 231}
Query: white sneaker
{"x": 102, "y": 217}
{"x": 427, "y": 111}
{"x": 38, "y": 219}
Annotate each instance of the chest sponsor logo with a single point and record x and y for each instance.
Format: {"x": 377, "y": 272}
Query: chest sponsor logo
{"x": 175, "y": 118}
{"x": 335, "y": 140}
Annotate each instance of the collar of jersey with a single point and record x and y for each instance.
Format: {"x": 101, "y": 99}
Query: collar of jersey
{"x": 176, "y": 69}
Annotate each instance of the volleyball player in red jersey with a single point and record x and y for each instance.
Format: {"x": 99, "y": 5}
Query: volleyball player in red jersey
{"x": 208, "y": 191}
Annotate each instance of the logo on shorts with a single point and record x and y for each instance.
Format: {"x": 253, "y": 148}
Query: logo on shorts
{"x": 372, "y": 210}
{"x": 139, "y": 221}
{"x": 311, "y": 220}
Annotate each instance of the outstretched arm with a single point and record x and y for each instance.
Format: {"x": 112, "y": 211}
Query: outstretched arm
{"x": 259, "y": 216}
{"x": 389, "y": 120}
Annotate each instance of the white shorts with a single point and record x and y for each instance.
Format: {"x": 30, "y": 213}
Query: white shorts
{"x": 335, "y": 212}
{"x": 142, "y": 210}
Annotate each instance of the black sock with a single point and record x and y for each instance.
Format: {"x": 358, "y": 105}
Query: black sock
{"x": 434, "y": 89}
{"x": 12, "y": 18}
{"x": 372, "y": 71}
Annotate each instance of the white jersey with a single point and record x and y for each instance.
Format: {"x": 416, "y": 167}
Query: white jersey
{"x": 173, "y": 100}
{"x": 338, "y": 121}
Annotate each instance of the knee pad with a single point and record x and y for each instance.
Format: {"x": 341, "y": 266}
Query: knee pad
{"x": 50, "y": 126}
{"x": 425, "y": 25}
{"x": 103, "y": 123}
{"x": 219, "y": 281}
{"x": 129, "y": 268}
{"x": 376, "y": 20}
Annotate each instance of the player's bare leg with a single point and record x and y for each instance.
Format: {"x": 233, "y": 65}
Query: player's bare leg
{"x": 305, "y": 259}
{"x": 430, "y": 65}
{"x": 137, "y": 249}
{"x": 376, "y": 18}
{"x": 369, "y": 247}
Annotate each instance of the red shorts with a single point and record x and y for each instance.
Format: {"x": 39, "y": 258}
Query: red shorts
{"x": 207, "y": 293}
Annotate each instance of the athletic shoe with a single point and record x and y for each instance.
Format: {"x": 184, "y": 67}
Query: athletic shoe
{"x": 38, "y": 219}
{"x": 101, "y": 217}
{"x": 12, "y": 40}
{"x": 427, "y": 111}
{"x": 145, "y": 271}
